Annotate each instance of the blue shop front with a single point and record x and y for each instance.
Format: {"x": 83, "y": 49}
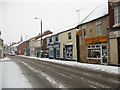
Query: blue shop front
{"x": 54, "y": 50}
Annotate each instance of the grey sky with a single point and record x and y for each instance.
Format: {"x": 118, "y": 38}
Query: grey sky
{"x": 17, "y": 16}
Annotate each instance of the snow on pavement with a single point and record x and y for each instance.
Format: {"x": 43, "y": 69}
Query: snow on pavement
{"x": 109, "y": 69}
{"x": 11, "y": 75}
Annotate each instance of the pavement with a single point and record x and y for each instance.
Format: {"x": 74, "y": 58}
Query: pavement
{"x": 43, "y": 74}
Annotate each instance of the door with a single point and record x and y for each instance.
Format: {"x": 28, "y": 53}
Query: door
{"x": 119, "y": 50}
{"x": 54, "y": 52}
{"x": 64, "y": 53}
{"x": 104, "y": 54}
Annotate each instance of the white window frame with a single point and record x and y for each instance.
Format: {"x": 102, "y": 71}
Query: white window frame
{"x": 91, "y": 47}
{"x": 98, "y": 28}
{"x": 116, "y": 14}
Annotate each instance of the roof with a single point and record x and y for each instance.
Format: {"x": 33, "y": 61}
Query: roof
{"x": 98, "y": 12}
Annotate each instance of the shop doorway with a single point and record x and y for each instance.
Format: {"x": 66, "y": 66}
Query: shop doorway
{"x": 64, "y": 53}
{"x": 119, "y": 50}
{"x": 104, "y": 54}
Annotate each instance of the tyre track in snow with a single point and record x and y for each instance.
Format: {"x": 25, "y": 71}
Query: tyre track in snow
{"x": 63, "y": 76}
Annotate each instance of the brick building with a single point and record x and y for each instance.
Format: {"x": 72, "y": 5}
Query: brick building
{"x": 114, "y": 34}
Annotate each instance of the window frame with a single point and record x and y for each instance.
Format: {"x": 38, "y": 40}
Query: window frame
{"x": 98, "y": 28}
{"x": 117, "y": 14}
{"x": 69, "y": 36}
{"x": 50, "y": 39}
{"x": 84, "y": 31}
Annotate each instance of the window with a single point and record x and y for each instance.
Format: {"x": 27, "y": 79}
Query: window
{"x": 50, "y": 39}
{"x": 84, "y": 31}
{"x": 69, "y": 36}
{"x": 94, "y": 51}
{"x": 56, "y": 38}
{"x": 98, "y": 28}
{"x": 117, "y": 14}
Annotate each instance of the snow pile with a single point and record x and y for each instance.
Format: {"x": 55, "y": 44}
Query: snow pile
{"x": 109, "y": 69}
{"x": 11, "y": 76}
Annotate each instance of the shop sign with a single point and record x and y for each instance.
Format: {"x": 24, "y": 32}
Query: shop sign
{"x": 96, "y": 39}
{"x": 78, "y": 31}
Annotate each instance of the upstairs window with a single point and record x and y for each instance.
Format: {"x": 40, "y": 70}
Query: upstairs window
{"x": 98, "y": 28}
{"x": 84, "y": 31}
{"x": 69, "y": 36}
{"x": 117, "y": 14}
{"x": 56, "y": 38}
{"x": 50, "y": 39}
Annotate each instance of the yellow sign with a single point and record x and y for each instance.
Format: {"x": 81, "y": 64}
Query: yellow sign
{"x": 78, "y": 32}
{"x": 96, "y": 39}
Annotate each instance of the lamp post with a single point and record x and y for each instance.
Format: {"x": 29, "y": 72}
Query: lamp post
{"x": 41, "y": 32}
{"x": 79, "y": 14}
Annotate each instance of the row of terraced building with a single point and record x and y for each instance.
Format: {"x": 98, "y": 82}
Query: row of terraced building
{"x": 95, "y": 40}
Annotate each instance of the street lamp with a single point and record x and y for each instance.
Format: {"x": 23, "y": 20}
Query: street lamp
{"x": 41, "y": 31}
{"x": 78, "y": 14}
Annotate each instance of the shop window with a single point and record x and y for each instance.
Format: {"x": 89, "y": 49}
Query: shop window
{"x": 94, "y": 52}
{"x": 98, "y": 28}
{"x": 69, "y": 53}
{"x": 51, "y": 54}
{"x": 117, "y": 14}
{"x": 69, "y": 36}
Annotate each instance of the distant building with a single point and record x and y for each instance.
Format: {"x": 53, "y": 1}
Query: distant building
{"x": 114, "y": 27}
{"x": 1, "y": 47}
{"x": 23, "y": 48}
{"x": 37, "y": 44}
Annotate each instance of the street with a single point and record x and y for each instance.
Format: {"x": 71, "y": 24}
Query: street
{"x": 43, "y": 74}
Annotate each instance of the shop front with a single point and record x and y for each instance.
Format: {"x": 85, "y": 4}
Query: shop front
{"x": 68, "y": 52}
{"x": 97, "y": 50}
{"x": 54, "y": 50}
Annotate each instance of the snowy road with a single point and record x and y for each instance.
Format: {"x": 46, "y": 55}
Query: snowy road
{"x": 43, "y": 74}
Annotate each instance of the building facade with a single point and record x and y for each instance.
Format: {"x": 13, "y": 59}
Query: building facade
{"x": 53, "y": 45}
{"x": 93, "y": 37}
{"x": 68, "y": 44}
{"x": 114, "y": 34}
{"x": 32, "y": 47}
{"x": 1, "y": 47}
{"x": 23, "y": 48}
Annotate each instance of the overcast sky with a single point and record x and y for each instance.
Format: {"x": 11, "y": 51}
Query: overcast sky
{"x": 17, "y": 16}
